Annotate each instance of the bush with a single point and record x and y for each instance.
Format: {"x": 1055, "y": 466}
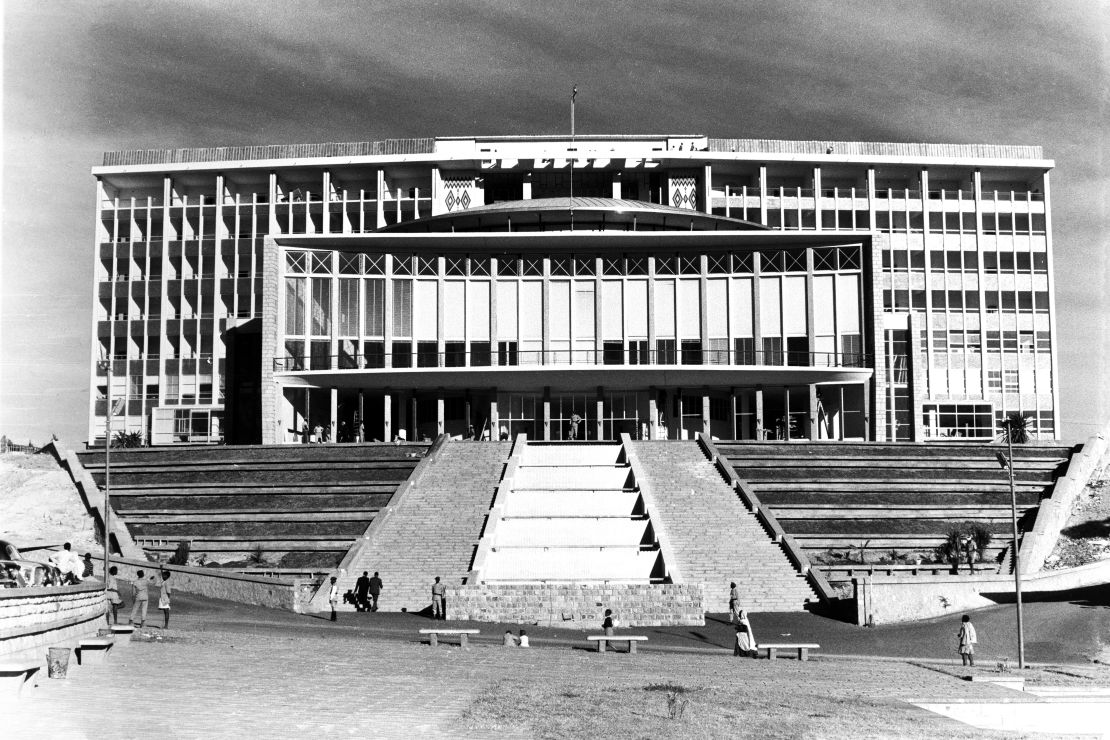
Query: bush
{"x": 181, "y": 554}
{"x": 128, "y": 439}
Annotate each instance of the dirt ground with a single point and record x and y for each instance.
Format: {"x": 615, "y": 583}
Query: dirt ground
{"x": 1086, "y": 536}
{"x": 40, "y": 504}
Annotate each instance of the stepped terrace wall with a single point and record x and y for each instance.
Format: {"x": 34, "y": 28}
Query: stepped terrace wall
{"x": 882, "y": 497}
{"x": 227, "y": 502}
{"x": 579, "y": 605}
{"x": 31, "y": 619}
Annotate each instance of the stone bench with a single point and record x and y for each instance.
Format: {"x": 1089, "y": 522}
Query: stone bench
{"x": 94, "y": 650}
{"x": 803, "y": 648}
{"x": 14, "y": 676}
{"x": 433, "y": 635}
{"x": 122, "y": 633}
{"x": 602, "y": 640}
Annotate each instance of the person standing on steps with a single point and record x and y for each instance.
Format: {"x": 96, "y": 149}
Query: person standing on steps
{"x": 375, "y": 591}
{"x": 968, "y": 638}
{"x": 362, "y": 592}
{"x": 439, "y": 594}
{"x": 333, "y": 596}
{"x": 733, "y": 602}
{"x": 164, "y": 599}
{"x": 142, "y": 599}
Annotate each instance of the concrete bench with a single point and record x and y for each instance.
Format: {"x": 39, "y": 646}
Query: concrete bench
{"x": 602, "y": 640}
{"x": 433, "y": 635}
{"x": 14, "y": 676}
{"x": 803, "y": 648}
{"x": 122, "y": 633}
{"x": 94, "y": 650}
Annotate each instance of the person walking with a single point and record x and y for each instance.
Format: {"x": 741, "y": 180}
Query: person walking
{"x": 439, "y": 594}
{"x": 968, "y": 638}
{"x": 333, "y": 596}
{"x": 362, "y": 592}
{"x": 164, "y": 594}
{"x": 733, "y": 602}
{"x": 375, "y": 591}
{"x": 608, "y": 624}
{"x": 142, "y": 598}
{"x": 745, "y": 640}
{"x": 111, "y": 587}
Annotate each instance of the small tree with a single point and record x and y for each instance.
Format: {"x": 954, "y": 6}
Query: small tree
{"x": 257, "y": 556}
{"x": 181, "y": 554}
{"x": 128, "y": 439}
{"x": 1015, "y": 428}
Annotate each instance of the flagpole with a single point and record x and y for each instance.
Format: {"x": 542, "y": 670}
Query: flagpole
{"x": 574, "y": 154}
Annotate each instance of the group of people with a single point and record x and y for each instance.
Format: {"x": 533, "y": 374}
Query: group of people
{"x": 67, "y": 568}
{"x": 140, "y": 589}
{"x": 745, "y": 646}
{"x": 364, "y": 596}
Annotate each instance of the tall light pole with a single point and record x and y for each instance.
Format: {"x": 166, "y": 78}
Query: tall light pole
{"x": 109, "y": 411}
{"x": 1007, "y": 462}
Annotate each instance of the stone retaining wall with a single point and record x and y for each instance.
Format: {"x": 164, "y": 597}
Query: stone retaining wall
{"x": 213, "y": 583}
{"x": 32, "y": 619}
{"x": 579, "y": 605}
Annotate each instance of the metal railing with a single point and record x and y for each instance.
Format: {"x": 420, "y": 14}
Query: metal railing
{"x": 563, "y": 358}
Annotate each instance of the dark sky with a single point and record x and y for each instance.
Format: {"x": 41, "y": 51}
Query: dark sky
{"x": 84, "y": 77}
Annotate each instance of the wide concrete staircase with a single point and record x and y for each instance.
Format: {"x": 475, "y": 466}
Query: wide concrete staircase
{"x": 714, "y": 537}
{"x": 308, "y": 502}
{"x": 841, "y": 497}
{"x": 569, "y": 513}
{"x": 433, "y": 527}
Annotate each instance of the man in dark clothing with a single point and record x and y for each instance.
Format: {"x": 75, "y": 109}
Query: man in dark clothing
{"x": 362, "y": 589}
{"x": 375, "y": 591}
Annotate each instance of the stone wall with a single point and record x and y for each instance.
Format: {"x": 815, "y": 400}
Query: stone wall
{"x": 32, "y": 619}
{"x": 211, "y": 582}
{"x": 578, "y": 605}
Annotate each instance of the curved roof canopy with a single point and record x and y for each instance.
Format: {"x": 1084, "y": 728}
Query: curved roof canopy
{"x": 589, "y": 214}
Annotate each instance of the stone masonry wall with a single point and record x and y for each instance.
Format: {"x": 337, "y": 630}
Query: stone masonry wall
{"x": 214, "y": 584}
{"x": 32, "y": 619}
{"x": 578, "y": 605}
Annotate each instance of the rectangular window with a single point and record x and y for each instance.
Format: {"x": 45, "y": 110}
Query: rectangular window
{"x": 427, "y": 354}
{"x": 507, "y": 353}
{"x": 851, "y": 349}
{"x": 320, "y": 359}
{"x": 717, "y": 352}
{"x": 1010, "y": 381}
{"x": 402, "y": 308}
{"x": 374, "y": 354}
{"x": 454, "y": 354}
{"x": 321, "y": 306}
{"x": 613, "y": 353}
{"x": 402, "y": 354}
{"x": 691, "y": 352}
{"x": 994, "y": 381}
{"x": 772, "y": 351}
{"x": 744, "y": 351}
{"x": 665, "y": 352}
{"x": 480, "y": 354}
{"x": 295, "y": 305}
{"x": 348, "y": 307}
{"x": 375, "y": 307}
{"x": 638, "y": 352}
{"x": 797, "y": 351}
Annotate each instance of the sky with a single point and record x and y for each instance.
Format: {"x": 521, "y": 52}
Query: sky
{"x": 81, "y": 78}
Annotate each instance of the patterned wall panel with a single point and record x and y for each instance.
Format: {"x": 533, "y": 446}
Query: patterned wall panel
{"x": 459, "y": 194}
{"x": 684, "y": 193}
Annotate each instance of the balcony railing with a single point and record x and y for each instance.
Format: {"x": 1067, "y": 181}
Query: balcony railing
{"x": 564, "y": 358}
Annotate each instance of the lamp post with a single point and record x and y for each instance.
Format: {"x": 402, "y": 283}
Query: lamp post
{"x": 1007, "y": 462}
{"x": 106, "y": 366}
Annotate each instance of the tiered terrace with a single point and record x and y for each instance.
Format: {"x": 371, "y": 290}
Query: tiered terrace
{"x": 229, "y": 501}
{"x": 883, "y": 497}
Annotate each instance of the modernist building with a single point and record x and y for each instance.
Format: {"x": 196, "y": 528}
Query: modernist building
{"x": 654, "y": 285}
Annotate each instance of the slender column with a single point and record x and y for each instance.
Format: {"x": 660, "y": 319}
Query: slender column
{"x": 381, "y": 198}
{"x": 308, "y": 409}
{"x": 705, "y": 421}
{"x": 732, "y": 411}
{"x": 786, "y": 412}
{"x": 840, "y": 414}
{"x": 867, "y": 433}
{"x": 600, "y": 413}
{"x": 360, "y": 424}
{"x": 494, "y": 422}
{"x": 547, "y": 412}
{"x": 387, "y": 416}
{"x": 653, "y": 412}
{"x": 414, "y": 433}
{"x": 760, "y": 430}
{"x": 333, "y": 411}
{"x": 402, "y": 415}
{"x": 678, "y": 401}
{"x": 439, "y": 412}
{"x": 813, "y": 420}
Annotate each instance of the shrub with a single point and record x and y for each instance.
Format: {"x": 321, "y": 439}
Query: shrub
{"x": 128, "y": 439}
{"x": 181, "y": 554}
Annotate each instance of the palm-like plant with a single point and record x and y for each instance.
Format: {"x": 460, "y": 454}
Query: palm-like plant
{"x": 1015, "y": 428}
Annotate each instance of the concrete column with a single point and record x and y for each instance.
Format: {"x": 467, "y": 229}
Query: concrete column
{"x": 526, "y": 187}
{"x": 387, "y": 417}
{"x": 762, "y": 194}
{"x": 360, "y": 425}
{"x": 786, "y": 412}
{"x": 617, "y": 184}
{"x": 653, "y": 412}
{"x": 325, "y": 209}
{"x": 414, "y": 434}
{"x": 760, "y": 429}
{"x": 867, "y": 433}
{"x": 308, "y": 409}
{"x": 600, "y": 412}
{"x": 547, "y": 412}
{"x": 333, "y": 411}
{"x": 732, "y": 412}
{"x": 705, "y": 421}
{"x": 494, "y": 422}
{"x": 402, "y": 415}
{"x": 817, "y": 197}
{"x": 812, "y": 420}
{"x": 439, "y": 412}
{"x": 840, "y": 415}
{"x": 681, "y": 428}
{"x": 381, "y": 198}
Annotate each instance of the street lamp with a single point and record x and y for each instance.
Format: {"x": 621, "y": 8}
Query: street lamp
{"x": 1007, "y": 462}
{"x": 110, "y": 411}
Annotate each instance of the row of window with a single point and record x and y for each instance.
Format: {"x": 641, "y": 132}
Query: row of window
{"x": 765, "y": 261}
{"x": 1022, "y": 263}
{"x": 774, "y": 351}
{"x": 1010, "y": 341}
{"x": 966, "y": 300}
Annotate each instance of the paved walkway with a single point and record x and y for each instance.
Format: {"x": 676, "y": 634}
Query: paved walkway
{"x": 230, "y": 670}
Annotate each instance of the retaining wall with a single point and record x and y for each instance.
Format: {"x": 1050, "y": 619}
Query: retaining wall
{"x": 883, "y": 599}
{"x": 32, "y": 619}
{"x": 290, "y": 594}
{"x": 579, "y": 605}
